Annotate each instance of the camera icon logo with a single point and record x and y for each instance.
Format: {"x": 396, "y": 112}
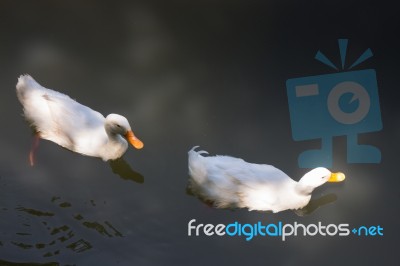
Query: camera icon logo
{"x": 339, "y": 104}
{"x": 358, "y": 92}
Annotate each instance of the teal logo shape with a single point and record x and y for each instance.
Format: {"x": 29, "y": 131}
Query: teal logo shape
{"x": 339, "y": 104}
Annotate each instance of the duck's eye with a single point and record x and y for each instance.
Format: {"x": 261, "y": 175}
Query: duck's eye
{"x": 118, "y": 126}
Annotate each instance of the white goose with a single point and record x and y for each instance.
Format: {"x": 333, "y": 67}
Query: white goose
{"x": 233, "y": 183}
{"x": 58, "y": 118}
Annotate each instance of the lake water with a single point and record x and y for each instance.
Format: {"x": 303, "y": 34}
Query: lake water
{"x": 184, "y": 75}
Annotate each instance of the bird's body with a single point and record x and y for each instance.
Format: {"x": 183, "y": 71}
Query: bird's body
{"x": 231, "y": 182}
{"x": 58, "y": 118}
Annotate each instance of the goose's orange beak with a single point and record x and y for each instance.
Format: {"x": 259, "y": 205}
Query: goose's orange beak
{"x": 337, "y": 177}
{"x": 137, "y": 143}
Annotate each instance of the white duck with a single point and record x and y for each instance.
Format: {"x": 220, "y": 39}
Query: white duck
{"x": 58, "y": 118}
{"x": 233, "y": 183}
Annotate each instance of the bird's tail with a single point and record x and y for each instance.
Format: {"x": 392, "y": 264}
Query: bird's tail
{"x": 25, "y": 85}
{"x": 197, "y": 169}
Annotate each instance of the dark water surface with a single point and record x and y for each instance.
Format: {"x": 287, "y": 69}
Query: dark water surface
{"x": 187, "y": 74}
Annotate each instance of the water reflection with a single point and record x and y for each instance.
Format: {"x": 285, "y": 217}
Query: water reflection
{"x": 123, "y": 169}
{"x": 57, "y": 237}
{"x": 9, "y": 263}
{"x": 118, "y": 166}
{"x": 312, "y": 206}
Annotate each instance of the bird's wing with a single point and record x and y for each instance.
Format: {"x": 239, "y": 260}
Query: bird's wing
{"x": 257, "y": 174}
{"x": 258, "y": 185}
{"x": 73, "y": 125}
{"x": 232, "y": 182}
{"x": 69, "y": 114}
{"x": 51, "y": 111}
{"x": 209, "y": 180}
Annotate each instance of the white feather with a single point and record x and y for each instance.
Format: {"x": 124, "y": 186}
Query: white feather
{"x": 232, "y": 182}
{"x": 58, "y": 118}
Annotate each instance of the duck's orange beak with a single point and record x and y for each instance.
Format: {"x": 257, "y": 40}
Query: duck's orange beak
{"x": 137, "y": 143}
{"x": 337, "y": 177}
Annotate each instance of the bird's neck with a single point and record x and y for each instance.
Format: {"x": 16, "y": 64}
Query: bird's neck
{"x": 304, "y": 189}
{"x": 115, "y": 147}
{"x": 115, "y": 138}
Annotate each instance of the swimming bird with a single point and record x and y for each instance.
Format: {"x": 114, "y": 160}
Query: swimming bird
{"x": 58, "y": 118}
{"x": 229, "y": 182}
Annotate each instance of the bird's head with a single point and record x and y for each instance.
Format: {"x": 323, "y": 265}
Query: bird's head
{"x": 117, "y": 124}
{"x": 317, "y": 177}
